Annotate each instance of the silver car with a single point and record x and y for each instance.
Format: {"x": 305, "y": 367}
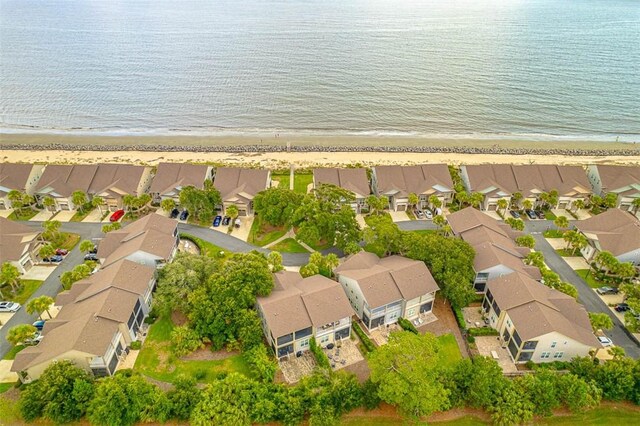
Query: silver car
{"x": 9, "y": 306}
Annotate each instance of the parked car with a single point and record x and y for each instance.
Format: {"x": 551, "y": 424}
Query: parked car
{"x": 9, "y": 306}
{"x": 34, "y": 340}
{"x": 39, "y": 325}
{"x": 540, "y": 214}
{"x": 174, "y": 213}
{"x": 62, "y": 252}
{"x": 116, "y": 216}
{"x": 226, "y": 220}
{"x": 55, "y": 258}
{"x": 515, "y": 214}
{"x": 184, "y": 215}
{"x": 216, "y": 221}
{"x": 94, "y": 250}
{"x": 428, "y": 214}
{"x": 418, "y": 213}
{"x": 531, "y": 214}
{"x": 605, "y": 341}
{"x": 237, "y": 223}
{"x": 622, "y": 307}
{"x": 91, "y": 256}
{"x": 607, "y": 290}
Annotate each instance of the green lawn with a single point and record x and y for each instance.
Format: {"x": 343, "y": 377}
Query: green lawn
{"x": 23, "y": 215}
{"x": 289, "y": 245}
{"x": 9, "y": 411}
{"x": 410, "y": 215}
{"x": 5, "y": 387}
{"x": 79, "y": 217}
{"x": 13, "y": 352}
{"x": 156, "y": 360}
{"x": 548, "y": 214}
{"x": 206, "y": 248}
{"x": 567, "y": 253}
{"x": 28, "y": 288}
{"x": 449, "y": 351}
{"x": 65, "y": 240}
{"x": 589, "y": 278}
{"x": 300, "y": 181}
{"x": 553, "y": 233}
{"x": 262, "y": 234}
{"x": 319, "y": 245}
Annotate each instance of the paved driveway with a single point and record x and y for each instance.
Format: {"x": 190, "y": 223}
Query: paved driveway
{"x": 586, "y": 295}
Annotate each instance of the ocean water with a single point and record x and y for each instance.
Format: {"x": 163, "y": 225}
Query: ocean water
{"x": 512, "y": 68}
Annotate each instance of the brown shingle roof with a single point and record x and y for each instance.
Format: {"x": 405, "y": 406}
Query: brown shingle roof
{"x": 536, "y": 309}
{"x": 14, "y": 239}
{"x": 615, "y": 230}
{"x": 14, "y": 176}
{"x": 423, "y": 179}
{"x": 388, "y": 279}
{"x": 615, "y": 178}
{"x": 237, "y": 184}
{"x": 65, "y": 179}
{"x": 171, "y": 176}
{"x": 354, "y": 180}
{"x": 529, "y": 180}
{"x": 297, "y": 303}
{"x": 116, "y": 180}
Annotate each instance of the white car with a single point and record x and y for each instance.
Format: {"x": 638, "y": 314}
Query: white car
{"x": 9, "y": 307}
{"x": 428, "y": 215}
{"x": 605, "y": 341}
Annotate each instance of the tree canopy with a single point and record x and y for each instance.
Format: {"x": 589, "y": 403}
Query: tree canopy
{"x": 276, "y": 205}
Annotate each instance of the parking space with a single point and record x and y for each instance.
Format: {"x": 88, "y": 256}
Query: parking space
{"x": 576, "y": 263}
{"x": 65, "y": 215}
{"x": 242, "y": 232}
{"x": 557, "y": 243}
{"x": 42, "y": 215}
{"x": 95, "y": 216}
{"x": 6, "y": 375}
{"x": 39, "y": 272}
{"x": 398, "y": 216}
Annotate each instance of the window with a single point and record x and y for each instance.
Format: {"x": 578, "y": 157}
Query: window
{"x": 545, "y": 355}
{"x": 558, "y": 354}
{"x": 304, "y": 343}
{"x": 530, "y": 345}
{"x": 303, "y": 333}
{"x": 496, "y": 308}
{"x": 324, "y": 339}
{"x": 553, "y": 344}
{"x": 508, "y": 323}
{"x": 285, "y": 339}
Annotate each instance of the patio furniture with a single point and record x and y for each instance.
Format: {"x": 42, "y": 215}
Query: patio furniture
{"x": 494, "y": 355}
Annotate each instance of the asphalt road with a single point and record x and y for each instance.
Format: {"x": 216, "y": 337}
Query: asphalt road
{"x": 589, "y": 298}
{"x": 51, "y": 286}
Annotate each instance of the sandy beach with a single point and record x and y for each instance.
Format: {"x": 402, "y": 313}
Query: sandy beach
{"x": 277, "y": 160}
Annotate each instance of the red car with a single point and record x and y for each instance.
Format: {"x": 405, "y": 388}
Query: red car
{"x": 61, "y": 252}
{"x": 116, "y": 215}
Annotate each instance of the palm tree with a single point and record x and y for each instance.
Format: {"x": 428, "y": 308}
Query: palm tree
{"x": 46, "y": 251}
{"x": 503, "y": 204}
{"x": 527, "y": 204}
{"x": 168, "y": 204}
{"x": 462, "y": 197}
{"x": 51, "y": 228}
{"x": 578, "y": 205}
{"x": 86, "y": 246}
{"x": 98, "y": 202}
{"x": 10, "y": 274}
{"x": 48, "y": 202}
{"x": 20, "y": 333}
{"x": 476, "y": 199}
{"x": 636, "y": 205}
{"x": 39, "y": 305}
{"x": 606, "y": 260}
{"x": 412, "y": 199}
{"x": 561, "y": 222}
{"x": 79, "y": 199}
{"x": 625, "y": 270}
{"x": 232, "y": 212}
{"x": 515, "y": 199}
{"x": 435, "y": 202}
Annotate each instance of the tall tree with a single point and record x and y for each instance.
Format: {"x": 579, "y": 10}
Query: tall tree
{"x": 86, "y": 246}
{"x": 10, "y": 275}
{"x": 232, "y": 211}
{"x": 275, "y": 261}
{"x": 382, "y": 236}
{"x": 377, "y": 204}
{"x": 98, "y": 202}
{"x": 51, "y": 229}
{"x": 79, "y": 199}
{"x": 46, "y": 251}
{"x": 276, "y": 205}
{"x": 502, "y": 205}
{"x": 413, "y": 200}
{"x": 435, "y": 202}
{"x": 600, "y": 321}
{"x": 168, "y": 204}
{"x": 526, "y": 241}
{"x": 48, "y": 202}
{"x": 407, "y": 373}
{"x": 561, "y": 222}
{"x": 40, "y": 304}
{"x": 21, "y": 332}
{"x": 516, "y": 224}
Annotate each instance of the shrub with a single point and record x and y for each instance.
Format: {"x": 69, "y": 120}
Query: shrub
{"x": 152, "y": 317}
{"x": 258, "y": 357}
{"x": 460, "y": 318}
{"x": 200, "y": 374}
{"x": 483, "y": 331}
{"x": 366, "y": 342}
{"x": 321, "y": 357}
{"x": 136, "y": 345}
{"x": 185, "y": 340}
{"x": 471, "y": 339}
{"x": 407, "y": 325}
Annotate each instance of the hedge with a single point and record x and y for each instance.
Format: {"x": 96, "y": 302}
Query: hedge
{"x": 366, "y": 342}
{"x": 406, "y": 325}
{"x": 460, "y": 318}
{"x": 318, "y": 353}
{"x": 483, "y": 331}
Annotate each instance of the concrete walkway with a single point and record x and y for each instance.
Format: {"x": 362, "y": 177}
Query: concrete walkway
{"x": 290, "y": 234}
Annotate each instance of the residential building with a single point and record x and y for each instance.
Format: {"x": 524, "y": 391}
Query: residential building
{"x": 615, "y": 231}
{"x": 502, "y": 181}
{"x": 99, "y": 319}
{"x": 496, "y": 251}
{"x": 113, "y": 181}
{"x": 17, "y": 177}
{"x": 60, "y": 181}
{"x": 19, "y": 244}
{"x": 352, "y": 179}
{"x": 624, "y": 181}
{"x": 383, "y": 290}
{"x": 170, "y": 178}
{"x": 239, "y": 186}
{"x": 537, "y": 323}
{"x": 397, "y": 182}
{"x": 151, "y": 240}
{"x": 301, "y": 308}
